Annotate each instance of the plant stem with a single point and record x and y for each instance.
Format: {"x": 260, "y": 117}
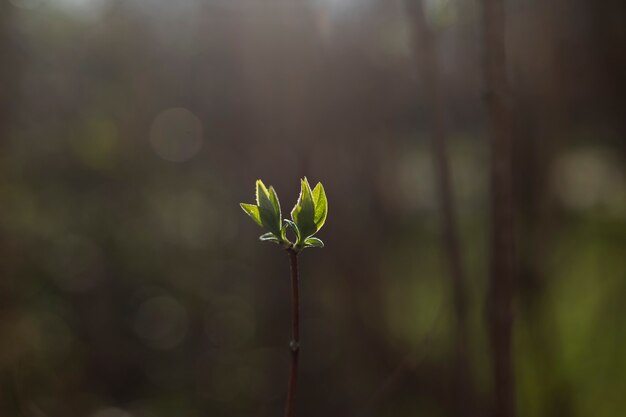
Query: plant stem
{"x": 294, "y": 345}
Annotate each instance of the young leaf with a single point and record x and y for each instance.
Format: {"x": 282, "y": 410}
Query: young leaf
{"x": 294, "y": 227}
{"x": 275, "y": 202}
{"x": 321, "y": 205}
{"x": 313, "y": 242}
{"x": 303, "y": 214}
{"x": 252, "y": 211}
{"x": 269, "y": 237}
{"x": 261, "y": 190}
{"x": 269, "y": 215}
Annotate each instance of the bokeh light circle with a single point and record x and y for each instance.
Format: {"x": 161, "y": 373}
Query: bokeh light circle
{"x": 176, "y": 134}
{"x": 161, "y": 322}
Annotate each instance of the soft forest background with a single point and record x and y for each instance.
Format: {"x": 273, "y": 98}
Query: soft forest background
{"x": 132, "y": 284}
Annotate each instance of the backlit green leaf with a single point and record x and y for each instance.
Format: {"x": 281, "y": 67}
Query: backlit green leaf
{"x": 261, "y": 190}
{"x": 307, "y": 217}
{"x": 303, "y": 214}
{"x": 321, "y": 205}
{"x": 313, "y": 242}
{"x": 269, "y": 237}
{"x": 269, "y": 215}
{"x": 294, "y": 227}
{"x": 275, "y": 202}
{"x": 252, "y": 211}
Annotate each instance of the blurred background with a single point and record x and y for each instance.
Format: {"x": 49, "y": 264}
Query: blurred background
{"x": 132, "y": 284}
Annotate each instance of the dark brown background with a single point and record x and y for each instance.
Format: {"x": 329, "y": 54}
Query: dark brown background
{"x": 132, "y": 284}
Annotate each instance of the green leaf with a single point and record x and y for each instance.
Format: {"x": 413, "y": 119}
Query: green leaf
{"x": 294, "y": 227}
{"x": 260, "y": 191}
{"x": 308, "y": 216}
{"x": 321, "y": 205}
{"x": 313, "y": 242}
{"x": 303, "y": 214}
{"x": 269, "y": 215}
{"x": 275, "y": 202}
{"x": 269, "y": 237}
{"x": 252, "y": 211}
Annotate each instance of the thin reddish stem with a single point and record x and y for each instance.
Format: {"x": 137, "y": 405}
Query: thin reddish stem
{"x": 294, "y": 345}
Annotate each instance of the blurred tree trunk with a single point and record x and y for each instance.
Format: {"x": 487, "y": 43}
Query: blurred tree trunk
{"x": 542, "y": 122}
{"x": 426, "y": 50}
{"x": 7, "y": 70}
{"x": 502, "y": 235}
{"x": 608, "y": 38}
{"x": 10, "y": 401}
